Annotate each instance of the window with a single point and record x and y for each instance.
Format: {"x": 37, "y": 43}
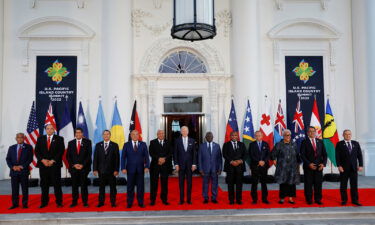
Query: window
{"x": 179, "y": 104}
{"x": 182, "y": 62}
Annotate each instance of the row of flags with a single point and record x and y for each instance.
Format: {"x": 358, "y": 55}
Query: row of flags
{"x": 66, "y": 128}
{"x": 272, "y": 134}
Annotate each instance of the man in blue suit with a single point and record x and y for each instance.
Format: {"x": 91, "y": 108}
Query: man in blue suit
{"x": 185, "y": 161}
{"x": 135, "y": 162}
{"x": 18, "y": 159}
{"x": 210, "y": 166}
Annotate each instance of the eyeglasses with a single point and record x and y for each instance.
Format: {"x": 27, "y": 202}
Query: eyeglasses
{"x": 286, "y": 135}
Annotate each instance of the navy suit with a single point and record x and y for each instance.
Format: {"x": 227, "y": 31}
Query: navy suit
{"x": 210, "y": 164}
{"x": 135, "y": 160}
{"x": 313, "y": 178}
{"x": 349, "y": 161}
{"x": 259, "y": 173}
{"x": 185, "y": 159}
{"x": 19, "y": 177}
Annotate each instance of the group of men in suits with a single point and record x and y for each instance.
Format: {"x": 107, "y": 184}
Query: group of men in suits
{"x": 186, "y": 157}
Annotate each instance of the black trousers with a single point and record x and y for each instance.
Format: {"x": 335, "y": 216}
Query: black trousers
{"x": 287, "y": 190}
{"x": 234, "y": 177}
{"x": 155, "y": 172}
{"x": 16, "y": 181}
{"x": 313, "y": 180}
{"x": 259, "y": 174}
{"x": 185, "y": 174}
{"x": 351, "y": 175}
{"x": 111, "y": 180}
{"x": 79, "y": 179}
{"x": 135, "y": 179}
{"x": 50, "y": 175}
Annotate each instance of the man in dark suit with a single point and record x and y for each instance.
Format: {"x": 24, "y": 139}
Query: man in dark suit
{"x": 161, "y": 165}
{"x": 185, "y": 161}
{"x": 106, "y": 165}
{"x": 79, "y": 157}
{"x": 210, "y": 166}
{"x": 234, "y": 155}
{"x": 349, "y": 161}
{"x": 18, "y": 159}
{"x": 135, "y": 162}
{"x": 314, "y": 157}
{"x": 49, "y": 150}
{"x": 259, "y": 152}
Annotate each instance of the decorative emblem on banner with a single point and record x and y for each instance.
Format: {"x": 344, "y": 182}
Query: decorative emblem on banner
{"x": 57, "y": 72}
{"x": 304, "y": 71}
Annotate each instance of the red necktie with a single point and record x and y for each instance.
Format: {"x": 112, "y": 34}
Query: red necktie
{"x": 78, "y": 147}
{"x": 314, "y": 146}
{"x": 49, "y": 142}
{"x": 19, "y": 153}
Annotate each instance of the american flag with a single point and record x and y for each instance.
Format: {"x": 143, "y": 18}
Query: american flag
{"x": 32, "y": 133}
{"x": 299, "y": 127}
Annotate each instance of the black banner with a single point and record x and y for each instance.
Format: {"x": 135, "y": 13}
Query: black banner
{"x": 304, "y": 78}
{"x": 56, "y": 83}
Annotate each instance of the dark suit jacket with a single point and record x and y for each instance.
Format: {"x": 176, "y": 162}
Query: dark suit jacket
{"x": 106, "y": 163}
{"x": 135, "y": 161}
{"x": 55, "y": 152}
{"x": 184, "y": 159}
{"x": 257, "y": 155}
{"x": 308, "y": 155}
{"x": 347, "y": 160}
{"x": 210, "y": 162}
{"x": 229, "y": 155}
{"x": 157, "y": 151}
{"x": 84, "y": 157}
{"x": 25, "y": 159}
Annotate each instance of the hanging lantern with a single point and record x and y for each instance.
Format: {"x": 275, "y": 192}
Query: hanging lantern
{"x": 193, "y": 20}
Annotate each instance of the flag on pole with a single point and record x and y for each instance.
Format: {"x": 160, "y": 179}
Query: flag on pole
{"x": 232, "y": 123}
{"x": 135, "y": 123}
{"x": 117, "y": 130}
{"x": 280, "y": 124}
{"x": 50, "y": 119}
{"x": 266, "y": 126}
{"x": 330, "y": 135}
{"x": 81, "y": 121}
{"x": 32, "y": 133}
{"x": 100, "y": 124}
{"x": 66, "y": 131}
{"x": 299, "y": 127}
{"x": 248, "y": 130}
{"x": 315, "y": 120}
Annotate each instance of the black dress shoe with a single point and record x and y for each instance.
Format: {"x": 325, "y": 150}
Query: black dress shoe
{"x": 141, "y": 205}
{"x": 85, "y": 205}
{"x": 59, "y": 205}
{"x": 231, "y": 203}
{"x": 292, "y": 202}
{"x": 13, "y": 207}
{"x": 214, "y": 201}
{"x": 113, "y": 205}
{"x": 357, "y": 204}
{"x": 254, "y": 202}
{"x": 205, "y": 201}
{"x": 152, "y": 203}
{"x": 128, "y": 206}
{"x": 281, "y": 201}
{"x": 266, "y": 202}
{"x": 319, "y": 202}
{"x": 343, "y": 203}
{"x": 73, "y": 205}
{"x": 189, "y": 202}
{"x": 42, "y": 206}
{"x": 239, "y": 203}
{"x": 181, "y": 203}
{"x": 25, "y": 207}
{"x": 166, "y": 203}
{"x": 309, "y": 202}
{"x": 100, "y": 205}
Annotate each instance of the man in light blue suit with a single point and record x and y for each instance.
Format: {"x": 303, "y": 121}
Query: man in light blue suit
{"x": 135, "y": 162}
{"x": 210, "y": 166}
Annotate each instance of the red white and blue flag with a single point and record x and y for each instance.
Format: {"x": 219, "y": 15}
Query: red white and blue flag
{"x": 50, "y": 119}
{"x": 232, "y": 124}
{"x": 32, "y": 133}
{"x": 280, "y": 124}
{"x": 299, "y": 127}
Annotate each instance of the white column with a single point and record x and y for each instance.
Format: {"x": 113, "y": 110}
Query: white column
{"x": 116, "y": 60}
{"x": 363, "y": 25}
{"x": 245, "y": 55}
{"x": 2, "y": 148}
